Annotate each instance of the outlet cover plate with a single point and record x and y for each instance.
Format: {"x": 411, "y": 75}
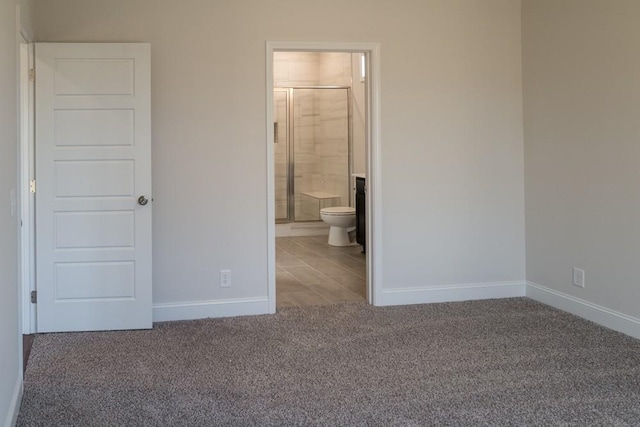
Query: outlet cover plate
{"x": 225, "y": 278}
{"x": 578, "y": 277}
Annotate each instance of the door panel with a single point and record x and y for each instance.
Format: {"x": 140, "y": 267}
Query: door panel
{"x": 87, "y": 230}
{"x": 94, "y": 128}
{"x": 91, "y": 76}
{"x": 93, "y": 161}
{"x": 78, "y": 280}
{"x": 93, "y": 178}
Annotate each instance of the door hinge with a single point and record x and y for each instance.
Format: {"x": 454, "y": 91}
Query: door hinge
{"x": 32, "y": 75}
{"x": 32, "y": 186}
{"x": 34, "y": 297}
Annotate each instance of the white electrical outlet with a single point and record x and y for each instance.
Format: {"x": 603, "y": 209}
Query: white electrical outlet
{"x": 225, "y": 278}
{"x": 578, "y": 277}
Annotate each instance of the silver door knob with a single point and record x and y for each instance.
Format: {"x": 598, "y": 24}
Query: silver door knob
{"x": 142, "y": 200}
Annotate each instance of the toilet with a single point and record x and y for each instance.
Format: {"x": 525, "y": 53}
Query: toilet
{"x": 341, "y": 220}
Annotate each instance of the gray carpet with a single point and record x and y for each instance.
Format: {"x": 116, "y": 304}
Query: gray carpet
{"x": 498, "y": 362}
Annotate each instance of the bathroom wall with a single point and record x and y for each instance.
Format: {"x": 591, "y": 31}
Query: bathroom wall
{"x": 296, "y": 69}
{"x": 332, "y": 136}
{"x": 331, "y": 172}
{"x": 305, "y": 159}
{"x": 452, "y": 185}
{"x": 320, "y": 134}
{"x": 335, "y": 69}
{"x": 359, "y": 111}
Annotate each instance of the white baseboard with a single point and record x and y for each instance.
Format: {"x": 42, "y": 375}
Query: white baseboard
{"x": 14, "y": 406}
{"x": 433, "y": 294}
{"x": 206, "y": 309}
{"x": 450, "y": 293}
{"x": 596, "y": 313}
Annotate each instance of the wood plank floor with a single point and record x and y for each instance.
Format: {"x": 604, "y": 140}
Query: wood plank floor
{"x": 310, "y": 272}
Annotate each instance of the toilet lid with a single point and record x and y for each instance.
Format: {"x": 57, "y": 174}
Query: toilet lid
{"x": 338, "y": 210}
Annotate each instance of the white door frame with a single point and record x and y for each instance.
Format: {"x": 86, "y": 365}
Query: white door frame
{"x": 26, "y": 171}
{"x": 373, "y": 160}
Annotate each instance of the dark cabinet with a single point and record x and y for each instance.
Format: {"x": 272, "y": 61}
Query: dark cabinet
{"x": 361, "y": 228}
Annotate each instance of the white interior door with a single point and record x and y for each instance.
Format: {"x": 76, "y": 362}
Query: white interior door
{"x": 93, "y": 163}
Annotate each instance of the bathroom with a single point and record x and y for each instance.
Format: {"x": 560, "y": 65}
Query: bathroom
{"x": 319, "y": 153}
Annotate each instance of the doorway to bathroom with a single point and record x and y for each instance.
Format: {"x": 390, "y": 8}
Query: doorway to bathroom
{"x": 323, "y": 143}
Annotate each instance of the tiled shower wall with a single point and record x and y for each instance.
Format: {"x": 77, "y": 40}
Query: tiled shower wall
{"x": 321, "y": 130}
{"x": 332, "y": 145}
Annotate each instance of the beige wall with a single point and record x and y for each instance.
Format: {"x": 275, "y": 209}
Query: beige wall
{"x": 9, "y": 303}
{"x": 8, "y": 243}
{"x": 452, "y": 145}
{"x": 582, "y": 110}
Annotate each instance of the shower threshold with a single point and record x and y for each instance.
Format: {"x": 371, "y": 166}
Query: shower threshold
{"x": 306, "y": 228}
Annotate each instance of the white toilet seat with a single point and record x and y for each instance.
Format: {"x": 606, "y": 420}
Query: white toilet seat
{"x": 338, "y": 211}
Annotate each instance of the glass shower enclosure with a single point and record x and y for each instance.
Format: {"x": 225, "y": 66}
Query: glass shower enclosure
{"x": 312, "y": 153}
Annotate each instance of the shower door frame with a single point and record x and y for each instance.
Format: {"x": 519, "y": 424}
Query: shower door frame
{"x": 287, "y": 151}
{"x": 291, "y": 205}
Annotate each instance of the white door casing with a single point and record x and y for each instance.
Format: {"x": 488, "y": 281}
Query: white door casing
{"x": 373, "y": 162}
{"x": 93, "y": 162}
